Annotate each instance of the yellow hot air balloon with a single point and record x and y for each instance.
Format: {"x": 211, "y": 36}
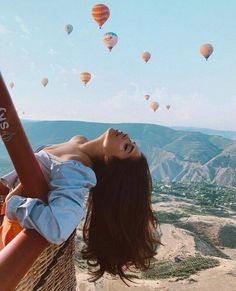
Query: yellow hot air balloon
{"x": 206, "y": 50}
{"x": 168, "y": 107}
{"x": 154, "y": 105}
{"x": 147, "y": 97}
{"x": 11, "y": 85}
{"x": 100, "y": 13}
{"x": 44, "y": 82}
{"x": 146, "y": 56}
{"x": 85, "y": 77}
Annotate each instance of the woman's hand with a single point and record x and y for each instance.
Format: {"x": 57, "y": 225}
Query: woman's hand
{"x": 16, "y": 191}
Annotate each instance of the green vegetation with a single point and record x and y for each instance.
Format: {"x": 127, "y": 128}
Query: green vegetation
{"x": 169, "y": 217}
{"x": 183, "y": 268}
{"x": 203, "y": 194}
{"x": 82, "y": 264}
{"x": 204, "y": 241}
{"x": 227, "y": 236}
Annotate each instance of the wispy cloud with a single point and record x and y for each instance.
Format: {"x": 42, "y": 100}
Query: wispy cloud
{"x": 58, "y": 69}
{"x": 75, "y": 71}
{"x": 33, "y": 67}
{"x": 53, "y": 52}
{"x": 4, "y": 29}
{"x": 22, "y": 25}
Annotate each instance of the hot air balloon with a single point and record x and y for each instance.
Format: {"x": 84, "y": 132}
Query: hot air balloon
{"x": 44, "y": 82}
{"x": 168, "y": 107}
{"x": 68, "y": 28}
{"x": 146, "y": 56}
{"x": 11, "y": 85}
{"x": 85, "y": 77}
{"x": 110, "y": 39}
{"x": 206, "y": 50}
{"x": 154, "y": 105}
{"x": 100, "y": 13}
{"x": 147, "y": 97}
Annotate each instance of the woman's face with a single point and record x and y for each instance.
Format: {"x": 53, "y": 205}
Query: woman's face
{"x": 118, "y": 144}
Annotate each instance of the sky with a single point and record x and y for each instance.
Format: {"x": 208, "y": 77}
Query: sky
{"x": 201, "y": 93}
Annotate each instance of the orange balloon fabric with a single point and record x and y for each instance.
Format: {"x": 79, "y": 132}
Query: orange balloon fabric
{"x": 100, "y": 13}
{"x": 8, "y": 230}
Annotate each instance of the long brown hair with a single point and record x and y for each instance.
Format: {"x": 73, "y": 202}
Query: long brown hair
{"x": 119, "y": 229}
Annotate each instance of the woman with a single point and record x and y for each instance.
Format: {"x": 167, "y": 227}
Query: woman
{"x": 119, "y": 229}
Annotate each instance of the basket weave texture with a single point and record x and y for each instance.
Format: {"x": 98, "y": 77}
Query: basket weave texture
{"x": 54, "y": 270}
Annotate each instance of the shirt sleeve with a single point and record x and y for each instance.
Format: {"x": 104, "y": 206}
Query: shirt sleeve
{"x": 56, "y": 220}
{"x": 11, "y": 179}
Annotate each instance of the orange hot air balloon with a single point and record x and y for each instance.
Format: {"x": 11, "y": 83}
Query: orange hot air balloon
{"x": 154, "y": 105}
{"x": 146, "y": 56}
{"x": 44, "y": 82}
{"x": 206, "y": 50}
{"x": 85, "y": 77}
{"x": 100, "y": 13}
{"x": 11, "y": 85}
{"x": 168, "y": 107}
{"x": 147, "y": 97}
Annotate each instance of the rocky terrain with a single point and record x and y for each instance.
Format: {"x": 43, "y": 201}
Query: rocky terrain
{"x": 198, "y": 252}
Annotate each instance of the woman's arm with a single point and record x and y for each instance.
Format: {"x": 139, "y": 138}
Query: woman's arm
{"x": 65, "y": 209}
{"x": 15, "y": 191}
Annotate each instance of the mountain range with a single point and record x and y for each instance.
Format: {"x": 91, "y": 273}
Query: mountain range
{"x": 173, "y": 155}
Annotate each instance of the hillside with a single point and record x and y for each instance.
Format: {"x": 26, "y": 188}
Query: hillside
{"x": 199, "y": 244}
{"x": 173, "y": 155}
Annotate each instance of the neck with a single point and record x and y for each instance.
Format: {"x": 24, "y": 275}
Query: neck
{"x": 93, "y": 149}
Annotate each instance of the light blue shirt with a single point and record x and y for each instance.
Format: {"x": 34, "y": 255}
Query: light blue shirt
{"x": 69, "y": 181}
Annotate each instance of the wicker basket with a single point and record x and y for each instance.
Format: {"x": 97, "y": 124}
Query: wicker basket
{"x": 54, "y": 270}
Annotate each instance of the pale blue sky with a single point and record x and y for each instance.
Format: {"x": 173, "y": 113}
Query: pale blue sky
{"x": 202, "y": 94}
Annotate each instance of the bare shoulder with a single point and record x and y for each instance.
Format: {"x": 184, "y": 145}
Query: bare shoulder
{"x": 79, "y": 139}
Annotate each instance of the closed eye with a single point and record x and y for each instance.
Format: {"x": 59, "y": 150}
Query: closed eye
{"x": 126, "y": 147}
{"x": 132, "y": 147}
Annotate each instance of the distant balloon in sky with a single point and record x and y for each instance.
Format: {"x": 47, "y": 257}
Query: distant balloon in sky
{"x": 206, "y": 50}
{"x": 146, "y": 56}
{"x": 100, "y": 13}
{"x": 147, "y": 97}
{"x": 110, "y": 39}
{"x": 11, "y": 85}
{"x": 68, "y": 28}
{"x": 85, "y": 77}
{"x": 154, "y": 105}
{"x": 44, "y": 82}
{"x": 168, "y": 107}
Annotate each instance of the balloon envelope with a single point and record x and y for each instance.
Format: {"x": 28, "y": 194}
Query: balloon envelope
{"x": 147, "y": 97}
{"x": 11, "y": 85}
{"x": 68, "y": 28}
{"x": 168, "y": 107}
{"x": 146, "y": 56}
{"x": 110, "y": 39}
{"x": 206, "y": 50}
{"x": 44, "y": 82}
{"x": 100, "y": 13}
{"x": 154, "y": 105}
{"x": 85, "y": 77}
